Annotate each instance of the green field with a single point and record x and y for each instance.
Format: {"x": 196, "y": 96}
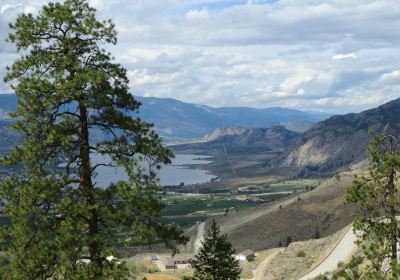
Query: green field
{"x": 187, "y": 209}
{"x": 271, "y": 197}
{"x": 208, "y": 204}
{"x": 292, "y": 185}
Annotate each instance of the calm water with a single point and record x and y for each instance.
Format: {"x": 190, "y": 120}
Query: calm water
{"x": 172, "y": 174}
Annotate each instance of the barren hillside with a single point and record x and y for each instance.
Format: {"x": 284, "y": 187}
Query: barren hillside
{"x": 299, "y": 217}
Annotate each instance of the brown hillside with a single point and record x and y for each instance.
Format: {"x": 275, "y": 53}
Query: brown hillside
{"x": 340, "y": 140}
{"x": 321, "y": 210}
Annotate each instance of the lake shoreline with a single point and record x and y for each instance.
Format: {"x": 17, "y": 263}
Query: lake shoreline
{"x": 188, "y": 169}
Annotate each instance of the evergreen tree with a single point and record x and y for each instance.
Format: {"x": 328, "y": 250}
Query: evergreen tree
{"x": 316, "y": 234}
{"x": 68, "y": 87}
{"x": 288, "y": 241}
{"x": 215, "y": 259}
{"x": 377, "y": 196}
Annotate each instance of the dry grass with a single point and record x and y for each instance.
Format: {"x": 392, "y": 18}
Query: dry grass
{"x": 289, "y": 264}
{"x": 160, "y": 277}
{"x": 246, "y": 274}
{"x": 261, "y": 255}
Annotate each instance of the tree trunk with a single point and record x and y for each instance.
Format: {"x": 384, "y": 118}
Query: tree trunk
{"x": 88, "y": 189}
{"x": 393, "y": 221}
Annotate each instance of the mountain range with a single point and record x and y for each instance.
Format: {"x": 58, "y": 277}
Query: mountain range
{"x": 176, "y": 119}
{"x": 330, "y": 144}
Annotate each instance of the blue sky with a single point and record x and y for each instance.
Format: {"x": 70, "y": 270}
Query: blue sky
{"x": 334, "y": 55}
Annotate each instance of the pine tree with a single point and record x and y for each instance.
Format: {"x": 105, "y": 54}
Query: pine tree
{"x": 316, "y": 234}
{"x": 215, "y": 259}
{"x": 377, "y": 196}
{"x": 288, "y": 241}
{"x": 68, "y": 87}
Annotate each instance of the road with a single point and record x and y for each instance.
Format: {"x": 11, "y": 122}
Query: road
{"x": 342, "y": 251}
{"x": 199, "y": 237}
{"x": 260, "y": 271}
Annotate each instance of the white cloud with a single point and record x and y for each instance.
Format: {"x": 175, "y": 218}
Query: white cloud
{"x": 391, "y": 76}
{"x": 197, "y": 14}
{"x": 344, "y": 56}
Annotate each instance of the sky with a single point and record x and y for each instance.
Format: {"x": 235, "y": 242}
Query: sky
{"x": 335, "y": 56}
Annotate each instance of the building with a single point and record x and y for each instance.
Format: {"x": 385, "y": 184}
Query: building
{"x": 182, "y": 259}
{"x": 245, "y": 255}
{"x": 167, "y": 263}
{"x": 174, "y": 262}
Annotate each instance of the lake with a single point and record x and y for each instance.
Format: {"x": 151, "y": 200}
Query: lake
{"x": 172, "y": 174}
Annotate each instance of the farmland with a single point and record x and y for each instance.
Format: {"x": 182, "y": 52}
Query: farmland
{"x": 185, "y": 209}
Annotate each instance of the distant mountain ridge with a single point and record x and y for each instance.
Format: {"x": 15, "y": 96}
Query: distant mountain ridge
{"x": 8, "y": 137}
{"x": 297, "y": 126}
{"x": 340, "y": 140}
{"x": 276, "y": 138}
{"x": 176, "y": 119}
{"x": 224, "y": 132}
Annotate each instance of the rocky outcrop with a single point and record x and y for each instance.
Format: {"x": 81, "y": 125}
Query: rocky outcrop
{"x": 222, "y": 132}
{"x": 273, "y": 138}
{"x": 297, "y": 126}
{"x": 340, "y": 140}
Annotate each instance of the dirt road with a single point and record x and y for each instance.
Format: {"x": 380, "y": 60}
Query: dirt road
{"x": 199, "y": 237}
{"x": 260, "y": 271}
{"x": 342, "y": 251}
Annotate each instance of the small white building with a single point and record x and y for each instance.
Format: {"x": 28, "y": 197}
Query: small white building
{"x": 245, "y": 255}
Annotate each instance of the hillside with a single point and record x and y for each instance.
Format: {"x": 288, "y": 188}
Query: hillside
{"x": 297, "y": 126}
{"x": 339, "y": 140}
{"x": 176, "y": 119}
{"x": 273, "y": 138}
{"x": 298, "y": 216}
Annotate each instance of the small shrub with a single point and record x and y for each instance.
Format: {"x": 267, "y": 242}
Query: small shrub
{"x": 301, "y": 254}
{"x": 288, "y": 241}
{"x": 316, "y": 234}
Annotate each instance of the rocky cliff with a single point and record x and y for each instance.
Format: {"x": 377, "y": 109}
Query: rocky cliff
{"x": 340, "y": 140}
